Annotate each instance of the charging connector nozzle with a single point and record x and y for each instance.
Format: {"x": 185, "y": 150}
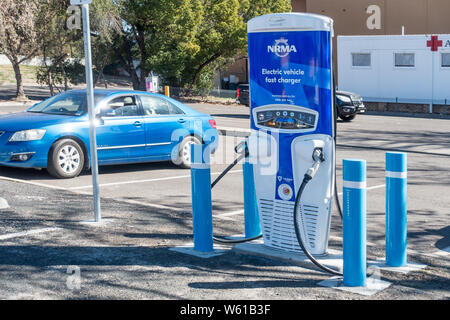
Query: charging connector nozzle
{"x": 318, "y": 158}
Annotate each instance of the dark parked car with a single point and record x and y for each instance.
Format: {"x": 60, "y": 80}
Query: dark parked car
{"x": 348, "y": 105}
{"x": 242, "y": 94}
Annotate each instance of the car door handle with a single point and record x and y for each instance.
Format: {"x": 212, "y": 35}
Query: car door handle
{"x": 181, "y": 120}
{"x": 137, "y": 123}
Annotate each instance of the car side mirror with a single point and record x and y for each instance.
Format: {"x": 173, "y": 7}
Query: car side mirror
{"x": 106, "y": 113}
{"x": 109, "y": 113}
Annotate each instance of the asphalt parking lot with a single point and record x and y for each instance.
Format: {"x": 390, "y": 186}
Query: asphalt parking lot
{"x": 147, "y": 209}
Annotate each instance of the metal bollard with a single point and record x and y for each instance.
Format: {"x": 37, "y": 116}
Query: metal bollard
{"x": 201, "y": 198}
{"x": 354, "y": 229}
{"x": 396, "y": 211}
{"x": 167, "y": 91}
{"x": 252, "y": 222}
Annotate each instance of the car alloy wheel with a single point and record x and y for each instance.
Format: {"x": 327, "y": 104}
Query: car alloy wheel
{"x": 66, "y": 159}
{"x": 185, "y": 150}
{"x": 69, "y": 159}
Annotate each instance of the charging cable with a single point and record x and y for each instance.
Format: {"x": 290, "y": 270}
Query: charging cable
{"x": 318, "y": 158}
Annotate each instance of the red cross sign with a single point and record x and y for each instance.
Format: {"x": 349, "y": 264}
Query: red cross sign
{"x": 434, "y": 43}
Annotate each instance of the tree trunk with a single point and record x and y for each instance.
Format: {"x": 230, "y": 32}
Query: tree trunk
{"x": 127, "y": 62}
{"x": 202, "y": 66}
{"x": 20, "y": 93}
{"x": 50, "y": 82}
{"x": 66, "y": 81}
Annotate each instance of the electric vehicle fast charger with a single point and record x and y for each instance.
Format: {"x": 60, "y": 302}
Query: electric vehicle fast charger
{"x": 293, "y": 137}
{"x": 292, "y": 141}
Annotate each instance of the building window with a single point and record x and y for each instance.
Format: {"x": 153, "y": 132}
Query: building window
{"x": 445, "y": 60}
{"x": 404, "y": 60}
{"x": 361, "y": 60}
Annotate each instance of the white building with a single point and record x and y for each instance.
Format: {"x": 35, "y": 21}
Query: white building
{"x": 409, "y": 68}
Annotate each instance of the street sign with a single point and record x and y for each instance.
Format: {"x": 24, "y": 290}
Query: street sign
{"x": 80, "y": 2}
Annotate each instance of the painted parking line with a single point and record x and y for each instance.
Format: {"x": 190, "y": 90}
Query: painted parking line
{"x": 32, "y": 183}
{"x": 104, "y": 184}
{"x": 443, "y": 253}
{"x": 27, "y": 233}
{"x": 370, "y": 188}
{"x": 227, "y": 215}
{"x": 112, "y": 184}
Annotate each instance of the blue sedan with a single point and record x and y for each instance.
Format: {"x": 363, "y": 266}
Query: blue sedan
{"x": 132, "y": 127}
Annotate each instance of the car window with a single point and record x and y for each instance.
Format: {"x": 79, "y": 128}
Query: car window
{"x": 158, "y": 106}
{"x": 69, "y": 103}
{"x": 125, "y": 106}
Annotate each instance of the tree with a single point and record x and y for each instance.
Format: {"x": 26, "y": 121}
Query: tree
{"x": 62, "y": 47}
{"x": 56, "y": 44}
{"x": 156, "y": 31}
{"x": 184, "y": 40}
{"x": 106, "y": 23}
{"x": 223, "y": 31}
{"x": 19, "y": 25}
{"x": 219, "y": 36}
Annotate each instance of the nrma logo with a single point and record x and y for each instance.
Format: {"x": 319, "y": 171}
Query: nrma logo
{"x": 281, "y": 48}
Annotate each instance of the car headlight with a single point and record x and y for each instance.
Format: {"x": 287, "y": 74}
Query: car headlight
{"x": 28, "y": 135}
{"x": 345, "y": 99}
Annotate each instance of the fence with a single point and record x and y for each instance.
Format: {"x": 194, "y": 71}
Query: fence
{"x": 203, "y": 93}
{"x": 436, "y": 106}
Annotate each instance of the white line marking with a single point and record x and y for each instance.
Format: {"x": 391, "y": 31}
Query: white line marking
{"x": 370, "y": 188}
{"x": 225, "y": 216}
{"x": 33, "y": 183}
{"x": 442, "y": 253}
{"x": 27, "y": 233}
{"x": 153, "y": 205}
{"x": 143, "y": 181}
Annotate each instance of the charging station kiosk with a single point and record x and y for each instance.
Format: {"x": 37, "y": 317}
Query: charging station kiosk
{"x": 292, "y": 115}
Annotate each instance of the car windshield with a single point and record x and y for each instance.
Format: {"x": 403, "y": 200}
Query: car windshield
{"x": 70, "y": 103}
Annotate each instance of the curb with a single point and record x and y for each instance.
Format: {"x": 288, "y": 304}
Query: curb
{"x": 406, "y": 114}
{"x": 18, "y": 104}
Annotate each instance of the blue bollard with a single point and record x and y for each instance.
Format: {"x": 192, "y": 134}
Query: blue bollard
{"x": 252, "y": 223}
{"x": 396, "y": 212}
{"x": 354, "y": 229}
{"x": 201, "y": 198}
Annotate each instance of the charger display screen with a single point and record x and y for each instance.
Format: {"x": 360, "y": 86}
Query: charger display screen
{"x": 286, "y": 119}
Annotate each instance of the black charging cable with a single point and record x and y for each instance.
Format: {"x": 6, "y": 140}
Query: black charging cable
{"x": 318, "y": 158}
{"x": 242, "y": 150}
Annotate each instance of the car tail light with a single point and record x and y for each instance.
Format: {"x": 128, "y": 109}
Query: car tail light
{"x": 212, "y": 122}
{"x": 237, "y": 93}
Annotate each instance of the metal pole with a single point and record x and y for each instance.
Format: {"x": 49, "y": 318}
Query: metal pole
{"x": 432, "y": 82}
{"x": 91, "y": 106}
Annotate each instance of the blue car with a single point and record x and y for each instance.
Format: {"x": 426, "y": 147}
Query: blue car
{"x": 132, "y": 127}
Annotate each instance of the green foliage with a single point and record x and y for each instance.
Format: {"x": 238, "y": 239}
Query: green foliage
{"x": 73, "y": 70}
{"x": 181, "y": 40}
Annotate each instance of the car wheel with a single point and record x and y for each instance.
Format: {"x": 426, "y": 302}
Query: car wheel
{"x": 184, "y": 154}
{"x": 347, "y": 118}
{"x": 66, "y": 159}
